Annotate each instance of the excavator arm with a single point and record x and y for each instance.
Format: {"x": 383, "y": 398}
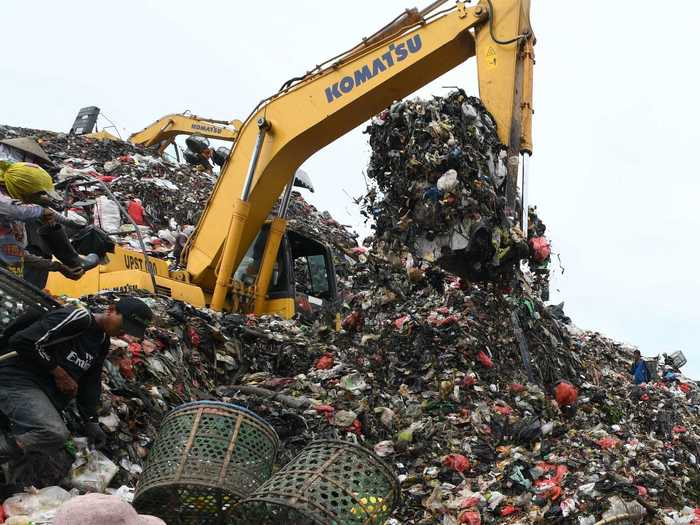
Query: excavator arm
{"x": 304, "y": 117}
{"x": 164, "y": 130}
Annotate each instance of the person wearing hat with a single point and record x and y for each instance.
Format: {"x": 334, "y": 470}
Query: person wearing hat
{"x": 58, "y": 357}
{"x": 23, "y": 149}
{"x": 25, "y": 191}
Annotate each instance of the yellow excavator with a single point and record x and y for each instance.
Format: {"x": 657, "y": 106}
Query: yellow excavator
{"x": 238, "y": 259}
{"x": 163, "y": 131}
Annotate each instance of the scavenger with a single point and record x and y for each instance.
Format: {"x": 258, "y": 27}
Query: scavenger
{"x": 25, "y": 190}
{"x": 59, "y": 356}
{"x": 639, "y": 370}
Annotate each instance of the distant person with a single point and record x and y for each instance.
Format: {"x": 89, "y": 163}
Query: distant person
{"x": 639, "y": 370}
{"x": 181, "y": 237}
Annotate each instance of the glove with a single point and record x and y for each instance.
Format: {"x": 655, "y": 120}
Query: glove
{"x": 95, "y": 434}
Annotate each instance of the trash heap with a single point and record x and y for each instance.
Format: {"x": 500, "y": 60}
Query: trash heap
{"x": 447, "y": 379}
{"x": 172, "y": 193}
{"x": 439, "y": 174}
{"x": 430, "y": 376}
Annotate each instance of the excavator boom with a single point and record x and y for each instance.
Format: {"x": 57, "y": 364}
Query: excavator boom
{"x": 164, "y": 130}
{"x": 298, "y": 121}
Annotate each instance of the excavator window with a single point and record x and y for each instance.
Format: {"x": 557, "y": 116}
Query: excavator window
{"x": 313, "y": 267}
{"x": 303, "y": 266}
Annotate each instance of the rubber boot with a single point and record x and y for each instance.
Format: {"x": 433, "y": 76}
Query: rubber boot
{"x": 54, "y": 235}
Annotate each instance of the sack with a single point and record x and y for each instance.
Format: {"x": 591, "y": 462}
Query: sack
{"x": 107, "y": 214}
{"x": 92, "y": 240}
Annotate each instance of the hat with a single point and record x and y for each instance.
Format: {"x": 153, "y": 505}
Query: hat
{"x": 137, "y": 316}
{"x": 28, "y": 145}
{"x": 103, "y": 509}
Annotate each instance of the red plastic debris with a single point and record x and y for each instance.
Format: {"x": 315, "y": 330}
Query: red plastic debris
{"x": 642, "y": 491}
{"x": 504, "y": 410}
{"x": 508, "y": 510}
{"x": 679, "y": 429}
{"x": 356, "y": 427}
{"x": 324, "y": 362}
{"x": 696, "y": 518}
{"x": 469, "y": 380}
{"x": 456, "y": 462}
{"x": 471, "y": 517}
{"x": 435, "y": 320}
{"x": 566, "y": 394}
{"x": 401, "y": 321}
{"x": 554, "y": 493}
{"x": 484, "y": 359}
{"x": 136, "y": 351}
{"x": 353, "y": 321}
{"x": 685, "y": 387}
{"x": 516, "y": 388}
{"x": 645, "y": 397}
{"x": 193, "y": 337}
{"x": 326, "y": 410}
{"x": 540, "y": 249}
{"x": 471, "y": 501}
{"x": 607, "y": 443}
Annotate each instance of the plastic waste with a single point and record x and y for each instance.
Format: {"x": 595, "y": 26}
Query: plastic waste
{"x": 92, "y": 471}
{"x": 35, "y": 505}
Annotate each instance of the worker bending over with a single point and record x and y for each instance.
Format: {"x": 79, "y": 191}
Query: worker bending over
{"x": 59, "y": 357}
{"x": 25, "y": 192}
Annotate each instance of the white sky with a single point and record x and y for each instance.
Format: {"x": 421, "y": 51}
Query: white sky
{"x": 616, "y": 110}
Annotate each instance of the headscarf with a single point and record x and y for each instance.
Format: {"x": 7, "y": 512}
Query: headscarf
{"x": 22, "y": 179}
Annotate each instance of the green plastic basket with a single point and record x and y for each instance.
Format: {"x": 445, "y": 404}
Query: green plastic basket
{"x": 207, "y": 457}
{"x": 328, "y": 483}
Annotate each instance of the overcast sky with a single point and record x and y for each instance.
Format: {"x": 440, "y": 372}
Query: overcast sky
{"x": 615, "y": 129}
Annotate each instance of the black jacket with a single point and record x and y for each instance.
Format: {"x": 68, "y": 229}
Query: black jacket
{"x": 67, "y": 337}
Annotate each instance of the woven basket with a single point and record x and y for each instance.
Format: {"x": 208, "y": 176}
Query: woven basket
{"x": 328, "y": 483}
{"x": 208, "y": 456}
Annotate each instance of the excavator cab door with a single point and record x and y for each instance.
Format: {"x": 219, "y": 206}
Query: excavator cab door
{"x": 314, "y": 275}
{"x": 303, "y": 275}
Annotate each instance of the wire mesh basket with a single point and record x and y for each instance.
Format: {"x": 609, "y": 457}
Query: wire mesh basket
{"x": 208, "y": 456}
{"x": 328, "y": 483}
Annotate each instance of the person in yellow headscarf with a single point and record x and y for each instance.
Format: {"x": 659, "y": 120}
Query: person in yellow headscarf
{"x": 25, "y": 192}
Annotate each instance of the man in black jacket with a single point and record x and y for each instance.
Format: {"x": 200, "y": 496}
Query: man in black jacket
{"x": 60, "y": 357}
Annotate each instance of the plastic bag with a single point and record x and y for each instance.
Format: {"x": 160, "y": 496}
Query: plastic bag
{"x": 35, "y": 505}
{"x": 107, "y": 214}
{"x": 92, "y": 471}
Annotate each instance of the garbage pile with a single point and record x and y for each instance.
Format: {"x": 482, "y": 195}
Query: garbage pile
{"x": 439, "y": 172}
{"x": 447, "y": 379}
{"x": 431, "y": 377}
{"x": 171, "y": 193}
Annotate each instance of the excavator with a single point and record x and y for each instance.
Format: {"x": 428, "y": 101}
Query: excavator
{"x": 163, "y": 131}
{"x": 241, "y": 260}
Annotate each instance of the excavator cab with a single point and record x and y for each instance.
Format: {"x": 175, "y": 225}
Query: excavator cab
{"x": 303, "y": 278}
